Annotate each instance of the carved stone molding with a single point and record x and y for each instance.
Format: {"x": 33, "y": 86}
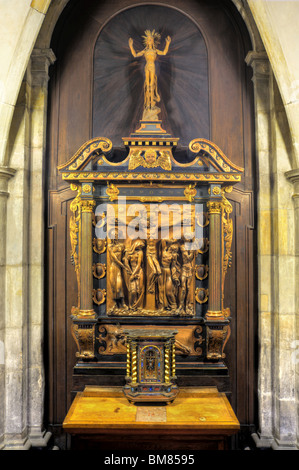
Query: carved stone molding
{"x": 260, "y": 64}
{"x": 5, "y": 174}
{"x": 41, "y": 59}
{"x": 293, "y": 177}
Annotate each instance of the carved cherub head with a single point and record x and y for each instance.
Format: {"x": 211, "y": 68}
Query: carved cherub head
{"x": 150, "y": 156}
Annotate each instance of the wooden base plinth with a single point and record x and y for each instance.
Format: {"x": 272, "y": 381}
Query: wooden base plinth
{"x": 158, "y": 394}
{"x": 101, "y": 418}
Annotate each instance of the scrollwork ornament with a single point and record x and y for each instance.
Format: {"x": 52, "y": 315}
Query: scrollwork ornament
{"x": 99, "y": 296}
{"x": 202, "y": 219}
{"x": 227, "y": 228}
{"x": 201, "y": 295}
{"x": 102, "y": 339}
{"x": 74, "y": 226}
{"x": 99, "y": 245}
{"x": 203, "y": 245}
{"x": 112, "y": 191}
{"x": 92, "y": 147}
{"x": 201, "y": 271}
{"x": 99, "y": 270}
{"x": 217, "y": 338}
{"x": 83, "y": 335}
{"x": 198, "y": 340}
{"x": 190, "y": 192}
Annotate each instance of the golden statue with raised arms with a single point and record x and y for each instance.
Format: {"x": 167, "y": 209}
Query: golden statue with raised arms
{"x": 150, "y": 52}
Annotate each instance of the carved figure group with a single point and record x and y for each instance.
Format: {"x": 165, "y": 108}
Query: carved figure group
{"x": 163, "y": 269}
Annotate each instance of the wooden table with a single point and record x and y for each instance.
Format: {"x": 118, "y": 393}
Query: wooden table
{"x": 102, "y": 418}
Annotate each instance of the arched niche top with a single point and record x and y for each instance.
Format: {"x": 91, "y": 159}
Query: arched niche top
{"x": 183, "y": 73}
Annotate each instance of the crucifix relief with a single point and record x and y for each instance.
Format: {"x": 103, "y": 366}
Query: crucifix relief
{"x": 153, "y": 273}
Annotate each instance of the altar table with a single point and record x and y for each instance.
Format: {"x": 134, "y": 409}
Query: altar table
{"x": 102, "y": 418}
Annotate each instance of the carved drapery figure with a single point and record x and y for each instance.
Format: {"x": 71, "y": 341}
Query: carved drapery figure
{"x": 134, "y": 273}
{"x": 116, "y": 249}
{"x": 153, "y": 264}
{"x": 154, "y": 268}
{"x": 169, "y": 281}
{"x": 150, "y": 52}
{"x": 185, "y": 302}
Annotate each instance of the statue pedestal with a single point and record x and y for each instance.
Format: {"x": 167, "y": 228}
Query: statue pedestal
{"x": 150, "y": 146}
{"x": 150, "y": 128}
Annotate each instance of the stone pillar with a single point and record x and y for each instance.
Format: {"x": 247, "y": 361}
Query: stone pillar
{"x": 277, "y": 411}
{"x": 37, "y": 78}
{"x": 261, "y": 76}
{"x": 283, "y": 277}
{"x": 5, "y": 175}
{"x": 293, "y": 177}
{"x": 24, "y": 387}
{"x": 16, "y": 281}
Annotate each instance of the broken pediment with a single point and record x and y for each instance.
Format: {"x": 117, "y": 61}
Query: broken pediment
{"x": 151, "y": 158}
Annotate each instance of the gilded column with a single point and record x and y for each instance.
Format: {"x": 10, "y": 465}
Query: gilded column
{"x": 134, "y": 361}
{"x": 215, "y": 257}
{"x": 167, "y": 363}
{"x": 128, "y": 359}
{"x": 173, "y": 361}
{"x": 86, "y": 279}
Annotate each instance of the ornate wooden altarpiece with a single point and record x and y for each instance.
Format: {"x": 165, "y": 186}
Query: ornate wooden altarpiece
{"x": 151, "y": 245}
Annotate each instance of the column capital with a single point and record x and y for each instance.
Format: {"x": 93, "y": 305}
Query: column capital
{"x": 5, "y": 174}
{"x": 260, "y": 64}
{"x": 293, "y": 177}
{"x": 87, "y": 205}
{"x": 40, "y": 61}
{"x": 214, "y": 206}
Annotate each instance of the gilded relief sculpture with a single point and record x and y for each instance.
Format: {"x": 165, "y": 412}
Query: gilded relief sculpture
{"x": 154, "y": 268}
{"x": 151, "y": 277}
{"x": 185, "y": 293}
{"x": 134, "y": 272}
{"x": 169, "y": 280}
{"x": 116, "y": 248}
{"x": 150, "y": 53}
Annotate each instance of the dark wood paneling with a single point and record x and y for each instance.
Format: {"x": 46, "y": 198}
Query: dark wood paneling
{"x": 231, "y": 127}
